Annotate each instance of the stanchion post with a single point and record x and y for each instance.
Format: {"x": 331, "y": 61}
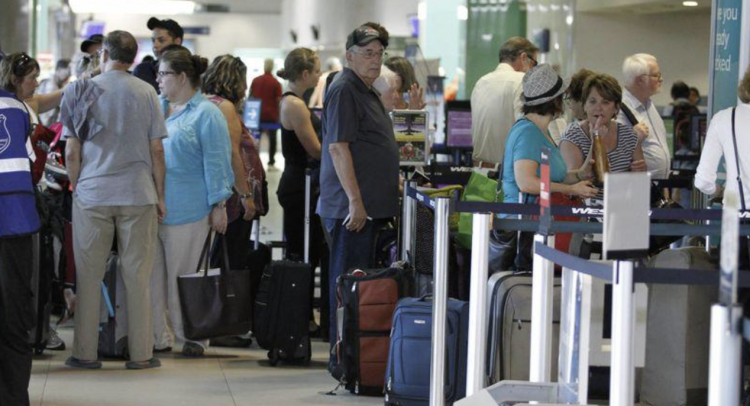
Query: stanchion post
{"x": 475, "y": 380}
{"x": 622, "y": 378}
{"x": 407, "y": 221}
{"x": 439, "y": 302}
{"x": 540, "y": 367}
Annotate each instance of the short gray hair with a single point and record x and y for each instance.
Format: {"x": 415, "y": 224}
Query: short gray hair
{"x": 634, "y": 66}
{"x": 121, "y": 46}
{"x": 385, "y": 81}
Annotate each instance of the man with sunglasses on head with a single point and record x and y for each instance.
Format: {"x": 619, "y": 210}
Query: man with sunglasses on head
{"x": 360, "y": 160}
{"x": 115, "y": 161}
{"x": 163, "y": 34}
{"x": 496, "y": 101}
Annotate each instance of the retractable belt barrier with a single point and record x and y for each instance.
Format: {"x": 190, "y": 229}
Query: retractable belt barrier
{"x": 485, "y": 219}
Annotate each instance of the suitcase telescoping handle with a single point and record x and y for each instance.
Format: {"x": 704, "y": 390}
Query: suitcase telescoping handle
{"x": 308, "y": 201}
{"x": 256, "y": 236}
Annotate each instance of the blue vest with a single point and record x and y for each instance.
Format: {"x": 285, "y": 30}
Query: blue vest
{"x": 18, "y": 215}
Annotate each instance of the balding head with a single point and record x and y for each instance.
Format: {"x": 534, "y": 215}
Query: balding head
{"x": 121, "y": 46}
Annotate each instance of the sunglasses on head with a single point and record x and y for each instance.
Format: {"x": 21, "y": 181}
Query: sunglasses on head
{"x": 21, "y": 66}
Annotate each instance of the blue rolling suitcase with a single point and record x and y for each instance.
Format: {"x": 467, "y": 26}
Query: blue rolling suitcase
{"x": 407, "y": 379}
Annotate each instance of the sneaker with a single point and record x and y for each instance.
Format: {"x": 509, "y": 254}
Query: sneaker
{"x": 190, "y": 349}
{"x": 152, "y": 363}
{"x": 55, "y": 168}
{"x": 51, "y": 182}
{"x": 54, "y": 342}
{"x": 162, "y": 350}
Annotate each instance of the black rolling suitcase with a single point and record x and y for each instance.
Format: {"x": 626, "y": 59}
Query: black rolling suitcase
{"x": 282, "y": 306}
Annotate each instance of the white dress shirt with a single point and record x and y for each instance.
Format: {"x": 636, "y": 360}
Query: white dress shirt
{"x": 719, "y": 143}
{"x": 495, "y": 106}
{"x": 655, "y": 148}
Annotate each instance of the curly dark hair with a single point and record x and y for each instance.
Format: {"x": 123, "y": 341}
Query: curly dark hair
{"x": 226, "y": 77}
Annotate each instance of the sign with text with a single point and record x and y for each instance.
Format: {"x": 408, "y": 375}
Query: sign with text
{"x": 725, "y": 62}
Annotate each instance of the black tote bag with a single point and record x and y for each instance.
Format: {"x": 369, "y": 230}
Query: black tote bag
{"x": 215, "y": 303}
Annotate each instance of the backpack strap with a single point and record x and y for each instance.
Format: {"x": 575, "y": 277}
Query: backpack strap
{"x": 737, "y": 161}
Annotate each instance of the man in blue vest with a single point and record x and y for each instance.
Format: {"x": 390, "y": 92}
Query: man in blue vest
{"x": 18, "y": 221}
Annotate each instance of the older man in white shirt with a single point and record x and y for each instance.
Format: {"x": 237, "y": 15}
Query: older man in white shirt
{"x": 496, "y": 101}
{"x": 642, "y": 78}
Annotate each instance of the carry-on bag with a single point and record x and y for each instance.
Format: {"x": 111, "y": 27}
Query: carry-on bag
{"x": 281, "y": 322}
{"x": 407, "y": 380}
{"x": 282, "y": 312}
{"x": 216, "y": 302}
{"x": 678, "y": 334}
{"x": 366, "y": 302}
{"x": 113, "y": 322}
{"x": 509, "y": 332}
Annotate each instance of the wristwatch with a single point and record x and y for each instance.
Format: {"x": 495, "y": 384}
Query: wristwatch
{"x": 244, "y": 196}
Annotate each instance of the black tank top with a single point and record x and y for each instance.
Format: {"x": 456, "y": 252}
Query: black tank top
{"x": 291, "y": 148}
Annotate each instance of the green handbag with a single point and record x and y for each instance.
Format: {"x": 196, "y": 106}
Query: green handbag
{"x": 479, "y": 189}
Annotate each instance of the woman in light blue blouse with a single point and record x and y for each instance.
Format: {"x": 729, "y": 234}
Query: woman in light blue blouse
{"x": 199, "y": 181}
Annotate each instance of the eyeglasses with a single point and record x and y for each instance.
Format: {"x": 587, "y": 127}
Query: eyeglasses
{"x": 163, "y": 73}
{"x": 533, "y": 61}
{"x": 658, "y": 76}
{"x": 20, "y": 69}
{"x": 369, "y": 54}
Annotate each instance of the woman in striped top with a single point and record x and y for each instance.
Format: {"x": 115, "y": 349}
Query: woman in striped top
{"x": 602, "y": 97}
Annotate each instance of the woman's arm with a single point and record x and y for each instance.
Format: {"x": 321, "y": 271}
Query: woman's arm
{"x": 294, "y": 112}
{"x": 42, "y": 103}
{"x": 572, "y": 155}
{"x": 528, "y": 182}
{"x": 238, "y": 167}
{"x": 705, "y": 175}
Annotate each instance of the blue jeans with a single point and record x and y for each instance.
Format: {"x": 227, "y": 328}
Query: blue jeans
{"x": 349, "y": 250}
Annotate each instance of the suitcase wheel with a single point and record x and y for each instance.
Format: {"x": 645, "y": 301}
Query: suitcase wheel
{"x": 273, "y": 357}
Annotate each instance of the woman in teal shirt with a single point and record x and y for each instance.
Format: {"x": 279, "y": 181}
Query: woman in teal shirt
{"x": 199, "y": 181}
{"x": 542, "y": 102}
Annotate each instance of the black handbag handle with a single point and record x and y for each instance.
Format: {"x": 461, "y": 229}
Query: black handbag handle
{"x": 226, "y": 288}
{"x": 737, "y": 162}
{"x": 204, "y": 254}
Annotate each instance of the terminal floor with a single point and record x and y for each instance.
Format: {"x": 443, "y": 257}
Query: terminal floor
{"x": 224, "y": 377}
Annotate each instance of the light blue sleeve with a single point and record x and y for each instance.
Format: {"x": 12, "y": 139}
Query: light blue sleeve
{"x": 217, "y": 155}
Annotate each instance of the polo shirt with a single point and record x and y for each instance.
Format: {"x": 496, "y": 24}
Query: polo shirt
{"x": 353, "y": 113}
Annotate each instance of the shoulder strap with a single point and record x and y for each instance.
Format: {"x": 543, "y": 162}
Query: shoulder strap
{"x": 737, "y": 161}
{"x": 629, "y": 114}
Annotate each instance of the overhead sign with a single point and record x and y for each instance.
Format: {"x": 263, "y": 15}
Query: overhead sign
{"x": 725, "y": 60}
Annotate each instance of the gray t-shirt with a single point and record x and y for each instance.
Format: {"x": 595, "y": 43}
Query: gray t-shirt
{"x": 353, "y": 113}
{"x": 116, "y": 167}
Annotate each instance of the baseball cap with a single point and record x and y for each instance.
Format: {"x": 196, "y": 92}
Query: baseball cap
{"x": 92, "y": 40}
{"x": 363, "y": 36}
{"x": 169, "y": 25}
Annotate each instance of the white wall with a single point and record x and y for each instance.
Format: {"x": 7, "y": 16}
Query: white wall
{"x": 229, "y": 31}
{"x": 680, "y": 41}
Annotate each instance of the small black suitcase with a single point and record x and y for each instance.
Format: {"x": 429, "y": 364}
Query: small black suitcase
{"x": 282, "y": 312}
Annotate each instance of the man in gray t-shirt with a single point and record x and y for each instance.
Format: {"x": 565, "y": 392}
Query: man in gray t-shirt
{"x": 115, "y": 159}
{"x": 359, "y": 165}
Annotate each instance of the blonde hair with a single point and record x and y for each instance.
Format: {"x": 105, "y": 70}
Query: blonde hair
{"x": 297, "y": 62}
{"x": 226, "y": 77}
{"x": 743, "y": 90}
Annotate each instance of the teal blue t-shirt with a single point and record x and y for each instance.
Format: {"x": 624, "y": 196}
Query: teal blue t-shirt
{"x": 525, "y": 141}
